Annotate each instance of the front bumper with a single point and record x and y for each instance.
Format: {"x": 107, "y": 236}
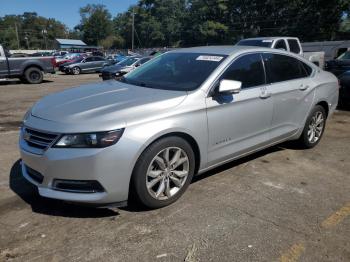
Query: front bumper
{"x": 111, "y": 167}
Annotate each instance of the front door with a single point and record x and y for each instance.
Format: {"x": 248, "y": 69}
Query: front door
{"x": 240, "y": 123}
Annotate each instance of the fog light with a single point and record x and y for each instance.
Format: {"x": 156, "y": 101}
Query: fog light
{"x": 77, "y": 186}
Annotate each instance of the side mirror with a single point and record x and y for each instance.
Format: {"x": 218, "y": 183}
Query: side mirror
{"x": 230, "y": 86}
{"x": 137, "y": 65}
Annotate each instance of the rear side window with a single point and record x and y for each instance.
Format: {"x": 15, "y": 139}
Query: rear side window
{"x": 282, "y": 68}
{"x": 247, "y": 69}
{"x": 294, "y": 46}
{"x": 281, "y": 44}
{"x": 99, "y": 59}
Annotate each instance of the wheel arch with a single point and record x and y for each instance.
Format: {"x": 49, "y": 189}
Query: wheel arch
{"x": 325, "y": 106}
{"x": 184, "y": 135}
{"x": 32, "y": 65}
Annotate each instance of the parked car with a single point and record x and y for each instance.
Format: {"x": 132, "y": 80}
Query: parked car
{"x": 68, "y": 58}
{"x": 118, "y": 70}
{"x": 88, "y": 65}
{"x": 28, "y": 69}
{"x": 290, "y": 44}
{"x": 180, "y": 114}
{"x": 60, "y": 53}
{"x": 341, "y": 68}
{"x": 62, "y": 67}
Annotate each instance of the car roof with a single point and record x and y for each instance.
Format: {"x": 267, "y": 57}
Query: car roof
{"x": 270, "y": 38}
{"x": 223, "y": 50}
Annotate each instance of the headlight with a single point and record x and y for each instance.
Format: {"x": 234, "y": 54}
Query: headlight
{"x": 90, "y": 140}
{"x": 27, "y": 114}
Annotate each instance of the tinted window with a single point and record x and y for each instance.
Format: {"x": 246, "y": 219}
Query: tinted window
{"x": 307, "y": 69}
{"x": 256, "y": 42}
{"x": 281, "y": 44}
{"x": 175, "y": 71}
{"x": 282, "y": 68}
{"x": 247, "y": 69}
{"x": 144, "y": 60}
{"x": 294, "y": 46}
{"x": 89, "y": 59}
{"x": 99, "y": 58}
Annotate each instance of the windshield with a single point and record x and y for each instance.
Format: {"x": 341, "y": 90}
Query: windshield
{"x": 175, "y": 71}
{"x": 262, "y": 43}
{"x": 344, "y": 56}
{"x": 128, "y": 61}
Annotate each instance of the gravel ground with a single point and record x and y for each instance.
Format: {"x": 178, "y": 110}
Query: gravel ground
{"x": 281, "y": 204}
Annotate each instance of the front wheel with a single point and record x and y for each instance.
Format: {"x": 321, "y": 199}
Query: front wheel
{"x": 76, "y": 70}
{"x": 314, "y": 128}
{"x": 163, "y": 172}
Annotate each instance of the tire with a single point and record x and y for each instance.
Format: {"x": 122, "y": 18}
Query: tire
{"x": 76, "y": 70}
{"x": 148, "y": 170}
{"x": 306, "y": 141}
{"x": 33, "y": 75}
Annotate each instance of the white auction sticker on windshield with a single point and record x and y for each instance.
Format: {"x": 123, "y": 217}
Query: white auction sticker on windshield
{"x": 212, "y": 58}
{"x": 267, "y": 41}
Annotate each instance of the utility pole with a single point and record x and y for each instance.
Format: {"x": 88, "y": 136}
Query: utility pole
{"x": 44, "y": 32}
{"x": 17, "y": 36}
{"x": 133, "y": 29}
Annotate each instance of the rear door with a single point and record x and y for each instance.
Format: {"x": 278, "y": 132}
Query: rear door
{"x": 239, "y": 123}
{"x": 292, "y": 90}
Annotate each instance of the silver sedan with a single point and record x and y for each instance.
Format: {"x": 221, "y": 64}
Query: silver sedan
{"x": 182, "y": 113}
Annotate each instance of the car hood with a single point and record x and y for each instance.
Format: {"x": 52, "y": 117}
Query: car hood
{"x": 101, "y": 105}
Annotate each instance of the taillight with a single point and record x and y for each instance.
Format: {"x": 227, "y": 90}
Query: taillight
{"x": 53, "y": 61}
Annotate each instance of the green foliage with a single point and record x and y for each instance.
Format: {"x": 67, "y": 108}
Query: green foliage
{"x": 176, "y": 23}
{"x": 112, "y": 42}
{"x": 35, "y": 32}
{"x": 96, "y": 23}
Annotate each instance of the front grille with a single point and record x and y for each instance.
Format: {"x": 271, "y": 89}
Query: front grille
{"x": 35, "y": 175}
{"x": 38, "y": 139}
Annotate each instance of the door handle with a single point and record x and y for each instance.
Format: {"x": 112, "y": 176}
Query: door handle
{"x": 303, "y": 87}
{"x": 265, "y": 95}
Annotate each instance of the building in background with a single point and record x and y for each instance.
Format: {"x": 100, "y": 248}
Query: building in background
{"x": 74, "y": 45}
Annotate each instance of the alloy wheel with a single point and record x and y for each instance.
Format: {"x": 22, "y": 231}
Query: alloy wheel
{"x": 167, "y": 173}
{"x": 316, "y": 126}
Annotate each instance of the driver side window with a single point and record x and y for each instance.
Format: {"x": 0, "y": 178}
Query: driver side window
{"x": 247, "y": 69}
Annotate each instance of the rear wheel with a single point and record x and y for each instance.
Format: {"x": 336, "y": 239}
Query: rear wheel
{"x": 163, "y": 172}
{"x": 314, "y": 127}
{"x": 33, "y": 75}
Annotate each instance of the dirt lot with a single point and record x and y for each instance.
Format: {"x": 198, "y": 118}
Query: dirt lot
{"x": 281, "y": 204}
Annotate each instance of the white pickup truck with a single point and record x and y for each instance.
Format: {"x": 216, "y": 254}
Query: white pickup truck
{"x": 290, "y": 44}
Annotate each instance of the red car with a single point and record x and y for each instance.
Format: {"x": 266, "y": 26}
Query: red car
{"x": 68, "y": 58}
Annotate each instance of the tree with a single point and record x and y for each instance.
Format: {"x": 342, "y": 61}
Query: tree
{"x": 96, "y": 23}
{"x": 112, "y": 41}
{"x": 36, "y": 31}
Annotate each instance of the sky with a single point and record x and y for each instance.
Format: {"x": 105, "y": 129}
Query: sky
{"x": 66, "y": 11}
